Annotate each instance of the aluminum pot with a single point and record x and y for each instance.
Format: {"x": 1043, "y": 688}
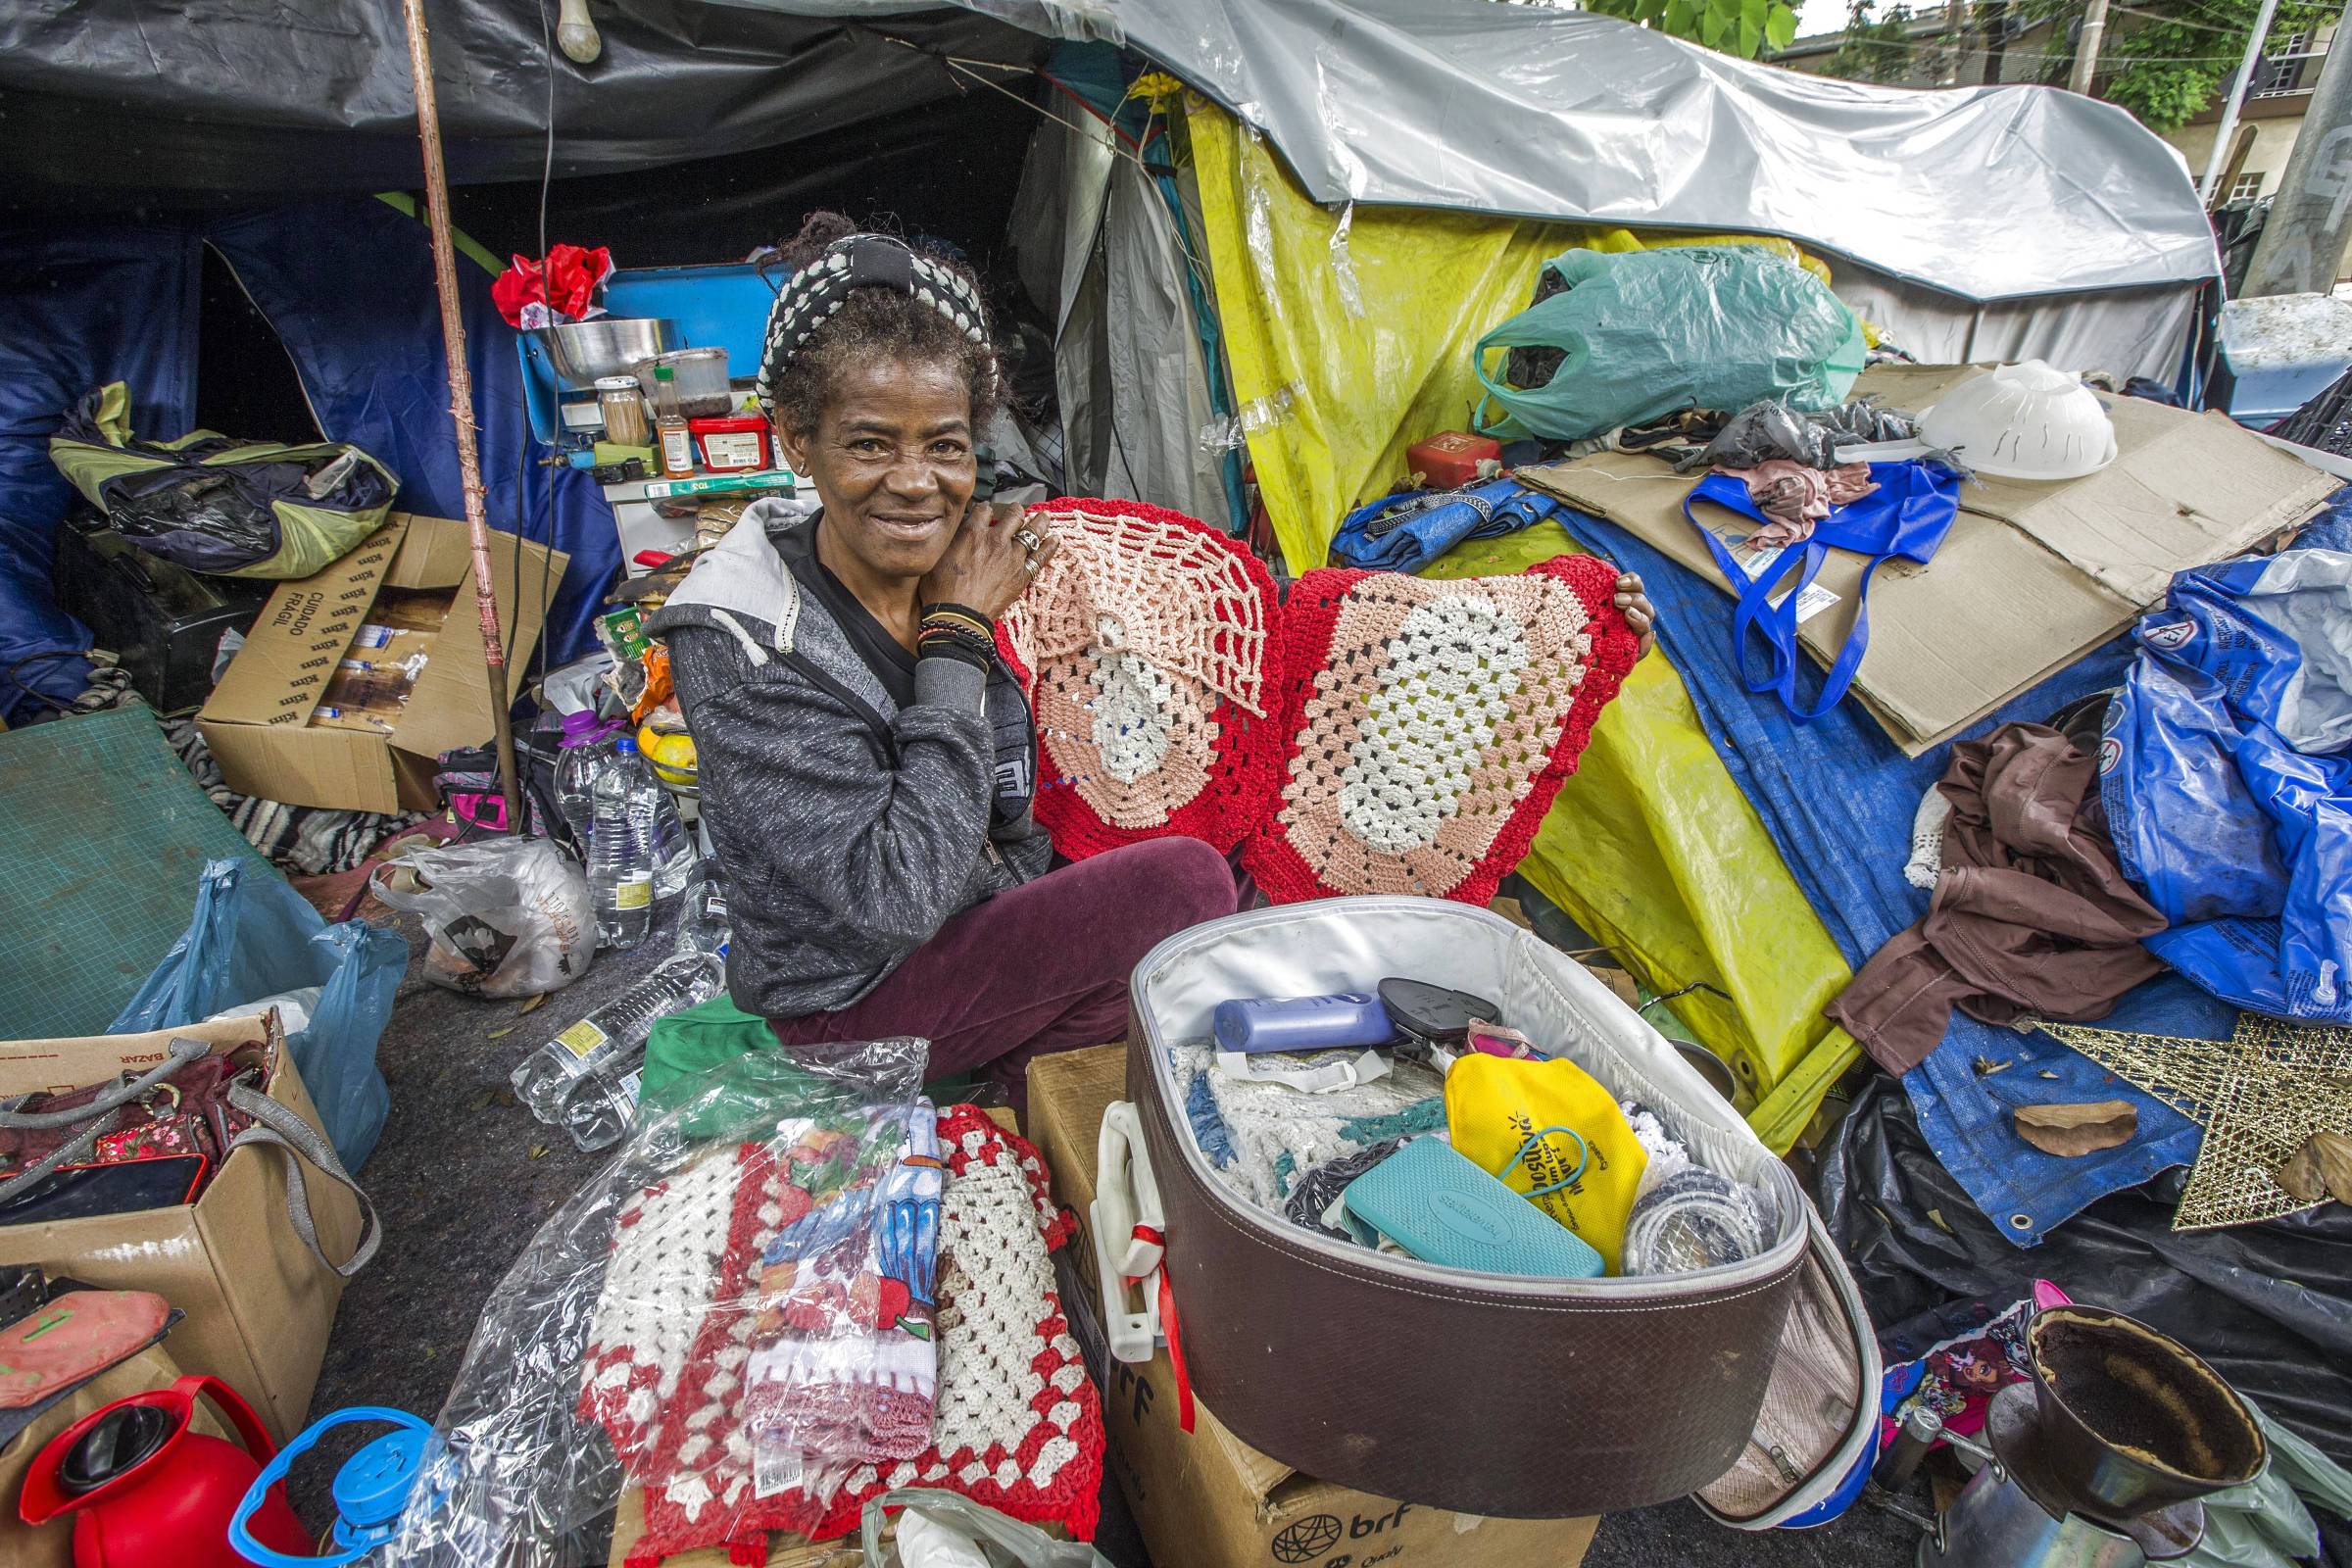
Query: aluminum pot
{"x": 582, "y": 351}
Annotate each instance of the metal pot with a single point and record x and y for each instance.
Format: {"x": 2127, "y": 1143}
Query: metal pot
{"x": 1996, "y": 1525}
{"x": 581, "y": 352}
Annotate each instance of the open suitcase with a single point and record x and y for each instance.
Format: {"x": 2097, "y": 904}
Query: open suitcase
{"x": 1751, "y": 1386}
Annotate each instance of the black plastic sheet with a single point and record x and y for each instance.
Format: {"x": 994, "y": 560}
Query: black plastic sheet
{"x": 2269, "y": 1305}
{"x": 117, "y": 101}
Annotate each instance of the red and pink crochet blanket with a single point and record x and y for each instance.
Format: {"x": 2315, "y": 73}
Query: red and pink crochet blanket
{"x": 1017, "y": 1425}
{"x": 1146, "y": 646}
{"x": 1426, "y": 725}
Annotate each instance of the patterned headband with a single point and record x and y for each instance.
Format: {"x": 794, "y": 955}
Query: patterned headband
{"x": 815, "y": 294}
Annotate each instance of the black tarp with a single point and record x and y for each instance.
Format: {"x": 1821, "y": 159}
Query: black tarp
{"x": 2269, "y": 1305}
{"x": 131, "y": 102}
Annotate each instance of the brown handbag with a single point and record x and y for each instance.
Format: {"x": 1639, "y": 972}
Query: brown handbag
{"x": 1752, "y": 1386}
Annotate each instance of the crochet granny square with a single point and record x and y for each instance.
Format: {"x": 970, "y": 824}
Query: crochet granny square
{"x": 1428, "y": 724}
{"x": 1145, "y": 647}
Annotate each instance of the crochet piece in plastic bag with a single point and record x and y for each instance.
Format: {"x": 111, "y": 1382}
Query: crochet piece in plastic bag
{"x": 1017, "y": 1426}
{"x": 1146, "y": 647}
{"x": 1428, "y": 724}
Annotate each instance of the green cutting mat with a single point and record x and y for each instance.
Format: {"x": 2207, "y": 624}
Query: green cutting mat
{"x": 102, "y": 836}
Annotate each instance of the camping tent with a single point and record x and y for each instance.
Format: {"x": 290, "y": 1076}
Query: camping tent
{"x": 1284, "y": 267}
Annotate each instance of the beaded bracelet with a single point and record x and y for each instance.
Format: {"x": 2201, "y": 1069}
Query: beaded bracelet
{"x": 954, "y": 632}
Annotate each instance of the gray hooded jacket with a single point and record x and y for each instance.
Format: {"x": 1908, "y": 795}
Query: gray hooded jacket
{"x": 850, "y": 828}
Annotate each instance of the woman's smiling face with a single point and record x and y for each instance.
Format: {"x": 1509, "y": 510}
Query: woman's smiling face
{"x": 892, "y": 460}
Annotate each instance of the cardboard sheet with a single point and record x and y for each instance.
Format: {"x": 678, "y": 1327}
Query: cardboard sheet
{"x": 2032, "y": 575}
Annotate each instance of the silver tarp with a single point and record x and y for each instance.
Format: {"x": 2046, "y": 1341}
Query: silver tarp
{"x": 1989, "y": 193}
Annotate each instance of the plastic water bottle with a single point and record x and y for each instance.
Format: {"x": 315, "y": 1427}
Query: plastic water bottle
{"x": 599, "y": 1112}
{"x": 576, "y": 771}
{"x": 668, "y": 849}
{"x": 621, "y": 875}
{"x": 703, "y": 917}
{"x": 607, "y": 1043}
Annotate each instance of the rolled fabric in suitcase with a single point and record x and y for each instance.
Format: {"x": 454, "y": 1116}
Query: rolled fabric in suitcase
{"x": 1752, "y": 1386}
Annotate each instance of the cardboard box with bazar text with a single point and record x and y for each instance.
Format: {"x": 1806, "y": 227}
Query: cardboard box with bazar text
{"x": 258, "y": 1304}
{"x": 404, "y": 600}
{"x": 2030, "y": 578}
{"x": 1205, "y": 1499}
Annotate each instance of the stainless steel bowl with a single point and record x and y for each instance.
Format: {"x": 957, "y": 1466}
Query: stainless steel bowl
{"x": 579, "y": 352}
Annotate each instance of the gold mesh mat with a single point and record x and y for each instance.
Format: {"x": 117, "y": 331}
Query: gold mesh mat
{"x": 2259, "y": 1095}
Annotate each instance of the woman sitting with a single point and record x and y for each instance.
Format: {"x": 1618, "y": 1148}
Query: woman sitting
{"x": 868, "y": 762}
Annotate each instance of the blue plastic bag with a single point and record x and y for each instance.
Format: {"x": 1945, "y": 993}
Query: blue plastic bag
{"x": 2227, "y": 774}
{"x": 253, "y": 936}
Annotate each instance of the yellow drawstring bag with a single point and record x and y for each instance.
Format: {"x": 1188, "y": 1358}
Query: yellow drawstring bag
{"x": 1550, "y": 1132}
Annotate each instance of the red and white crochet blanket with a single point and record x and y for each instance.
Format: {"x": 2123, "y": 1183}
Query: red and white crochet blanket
{"x": 1017, "y": 1426}
{"x": 1426, "y": 725}
{"x": 1146, "y": 647}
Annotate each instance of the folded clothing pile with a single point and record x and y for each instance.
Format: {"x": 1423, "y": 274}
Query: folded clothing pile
{"x": 1261, "y": 1135}
{"x": 684, "y": 1306}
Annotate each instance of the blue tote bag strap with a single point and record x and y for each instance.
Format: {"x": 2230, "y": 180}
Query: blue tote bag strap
{"x": 1908, "y": 515}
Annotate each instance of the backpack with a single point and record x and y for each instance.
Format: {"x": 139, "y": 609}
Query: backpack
{"x": 214, "y": 503}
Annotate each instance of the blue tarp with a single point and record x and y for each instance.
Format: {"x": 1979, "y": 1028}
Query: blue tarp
{"x": 2228, "y": 776}
{"x": 348, "y": 284}
{"x": 78, "y": 307}
{"x": 1839, "y": 798}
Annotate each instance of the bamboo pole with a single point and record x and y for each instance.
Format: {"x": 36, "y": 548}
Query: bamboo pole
{"x": 461, "y": 403}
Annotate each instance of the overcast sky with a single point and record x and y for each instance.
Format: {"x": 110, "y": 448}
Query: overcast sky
{"x": 1820, "y": 16}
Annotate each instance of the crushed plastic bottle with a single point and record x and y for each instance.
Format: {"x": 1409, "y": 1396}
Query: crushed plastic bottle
{"x": 599, "y": 1112}
{"x": 589, "y": 1055}
{"x": 621, "y": 876}
{"x": 703, "y": 917}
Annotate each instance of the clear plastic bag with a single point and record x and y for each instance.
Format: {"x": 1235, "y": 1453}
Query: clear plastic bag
{"x": 658, "y": 1330}
{"x": 937, "y": 1527}
{"x": 508, "y": 916}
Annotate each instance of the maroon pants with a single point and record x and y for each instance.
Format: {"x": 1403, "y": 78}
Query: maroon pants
{"x": 1042, "y": 967}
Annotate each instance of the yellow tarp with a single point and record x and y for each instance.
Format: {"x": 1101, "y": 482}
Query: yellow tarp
{"x": 1347, "y": 348}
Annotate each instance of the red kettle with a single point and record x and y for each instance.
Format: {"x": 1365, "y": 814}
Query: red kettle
{"x": 145, "y": 1489}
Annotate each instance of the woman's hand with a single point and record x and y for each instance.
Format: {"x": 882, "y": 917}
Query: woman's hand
{"x": 990, "y": 562}
{"x": 1640, "y": 613}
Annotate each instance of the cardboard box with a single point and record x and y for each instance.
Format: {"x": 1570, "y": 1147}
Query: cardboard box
{"x": 52, "y": 1545}
{"x": 2032, "y": 576}
{"x": 1205, "y": 1499}
{"x": 259, "y": 1305}
{"x": 263, "y": 721}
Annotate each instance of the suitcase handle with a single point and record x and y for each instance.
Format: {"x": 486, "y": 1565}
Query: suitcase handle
{"x": 128, "y": 564}
{"x": 1125, "y": 1223}
{"x": 1134, "y": 1237}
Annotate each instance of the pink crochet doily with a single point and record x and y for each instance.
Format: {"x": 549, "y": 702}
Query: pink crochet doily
{"x": 1146, "y": 647}
{"x": 1017, "y": 1425}
{"x": 1430, "y": 724}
